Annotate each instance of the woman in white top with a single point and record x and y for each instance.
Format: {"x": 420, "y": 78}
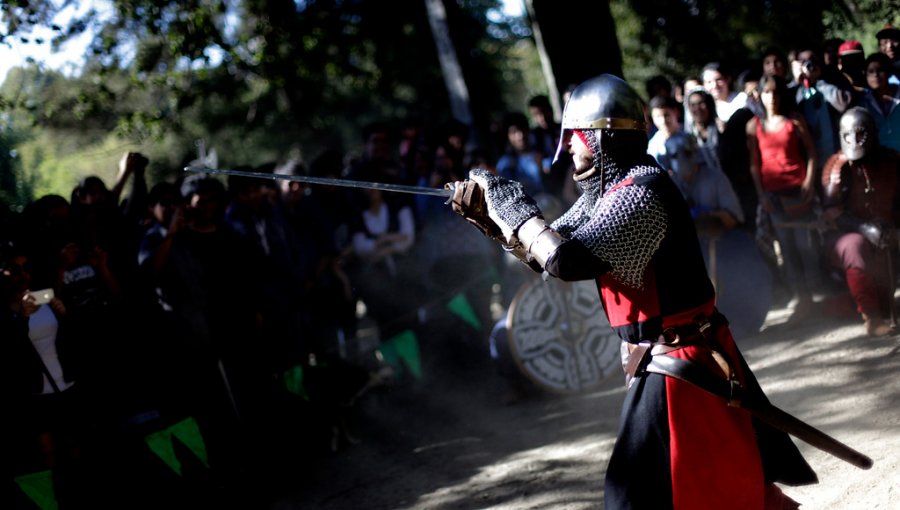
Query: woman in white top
{"x": 384, "y": 278}
{"x": 45, "y": 409}
{"x": 718, "y": 84}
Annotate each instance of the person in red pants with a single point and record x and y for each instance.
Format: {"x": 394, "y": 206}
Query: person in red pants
{"x": 860, "y": 189}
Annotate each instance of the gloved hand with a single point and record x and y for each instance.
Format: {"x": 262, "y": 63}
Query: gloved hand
{"x": 468, "y": 201}
{"x": 881, "y": 236}
{"x": 508, "y": 205}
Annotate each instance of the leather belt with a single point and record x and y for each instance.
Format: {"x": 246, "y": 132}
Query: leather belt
{"x": 674, "y": 338}
{"x": 756, "y": 404}
{"x": 650, "y": 357}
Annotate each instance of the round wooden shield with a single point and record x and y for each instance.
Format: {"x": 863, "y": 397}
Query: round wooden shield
{"x": 559, "y": 336}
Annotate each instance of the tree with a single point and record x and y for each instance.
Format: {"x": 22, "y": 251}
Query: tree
{"x": 15, "y": 190}
{"x": 278, "y": 73}
{"x": 580, "y": 39}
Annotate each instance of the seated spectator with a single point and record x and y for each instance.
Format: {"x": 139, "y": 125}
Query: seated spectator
{"x": 386, "y": 281}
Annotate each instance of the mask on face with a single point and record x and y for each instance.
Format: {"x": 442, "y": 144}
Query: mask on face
{"x": 858, "y": 134}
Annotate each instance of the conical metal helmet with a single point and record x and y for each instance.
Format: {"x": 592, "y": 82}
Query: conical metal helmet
{"x": 604, "y": 102}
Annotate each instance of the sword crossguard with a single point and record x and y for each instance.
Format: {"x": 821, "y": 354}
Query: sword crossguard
{"x": 451, "y": 187}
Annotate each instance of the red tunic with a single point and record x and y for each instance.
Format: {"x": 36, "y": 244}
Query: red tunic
{"x": 679, "y": 447}
{"x": 783, "y": 165}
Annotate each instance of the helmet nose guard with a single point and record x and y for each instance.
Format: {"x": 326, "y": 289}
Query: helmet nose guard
{"x": 604, "y": 102}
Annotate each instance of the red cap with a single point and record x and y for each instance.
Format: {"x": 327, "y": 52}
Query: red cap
{"x": 850, "y": 47}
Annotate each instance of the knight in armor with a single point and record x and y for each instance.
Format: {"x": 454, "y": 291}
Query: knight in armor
{"x": 631, "y": 231}
{"x": 859, "y": 185}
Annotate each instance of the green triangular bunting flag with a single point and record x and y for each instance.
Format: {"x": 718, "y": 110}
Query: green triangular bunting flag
{"x": 161, "y": 444}
{"x": 188, "y": 432}
{"x": 404, "y": 347}
{"x": 461, "y": 307}
{"x": 293, "y": 381}
{"x": 39, "y": 487}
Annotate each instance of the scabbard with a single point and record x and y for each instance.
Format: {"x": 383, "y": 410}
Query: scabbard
{"x": 757, "y": 406}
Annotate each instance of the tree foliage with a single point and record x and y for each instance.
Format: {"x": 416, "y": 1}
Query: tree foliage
{"x": 677, "y": 39}
{"x": 298, "y": 70}
{"x": 260, "y": 80}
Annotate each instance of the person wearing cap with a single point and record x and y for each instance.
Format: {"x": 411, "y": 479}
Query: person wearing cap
{"x": 889, "y": 44}
{"x": 631, "y": 231}
{"x": 852, "y": 64}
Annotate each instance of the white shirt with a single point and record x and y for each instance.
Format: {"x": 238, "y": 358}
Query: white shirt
{"x": 725, "y": 109}
{"x": 42, "y": 330}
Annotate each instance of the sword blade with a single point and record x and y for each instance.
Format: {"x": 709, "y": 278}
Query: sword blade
{"x": 347, "y": 183}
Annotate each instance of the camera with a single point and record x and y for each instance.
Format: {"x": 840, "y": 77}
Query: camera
{"x": 42, "y": 297}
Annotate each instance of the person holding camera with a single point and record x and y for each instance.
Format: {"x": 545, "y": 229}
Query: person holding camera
{"x": 860, "y": 186}
{"x": 820, "y": 102}
{"x": 39, "y": 361}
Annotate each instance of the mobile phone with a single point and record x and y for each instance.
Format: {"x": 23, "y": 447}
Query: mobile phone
{"x": 42, "y": 297}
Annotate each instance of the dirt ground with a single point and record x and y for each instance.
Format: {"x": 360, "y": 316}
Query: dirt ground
{"x": 451, "y": 442}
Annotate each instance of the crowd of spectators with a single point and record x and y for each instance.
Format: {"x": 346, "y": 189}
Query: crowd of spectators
{"x": 231, "y": 316}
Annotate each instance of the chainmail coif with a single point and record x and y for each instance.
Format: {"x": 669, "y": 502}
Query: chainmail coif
{"x": 624, "y": 227}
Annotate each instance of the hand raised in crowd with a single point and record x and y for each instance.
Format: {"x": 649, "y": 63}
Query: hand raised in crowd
{"x": 132, "y": 162}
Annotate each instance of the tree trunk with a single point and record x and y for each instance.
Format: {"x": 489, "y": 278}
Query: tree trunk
{"x": 453, "y": 75}
{"x": 580, "y": 39}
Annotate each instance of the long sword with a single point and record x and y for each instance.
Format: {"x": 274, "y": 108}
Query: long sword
{"x": 347, "y": 183}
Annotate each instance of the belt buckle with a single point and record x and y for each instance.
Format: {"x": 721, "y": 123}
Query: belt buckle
{"x": 703, "y": 326}
{"x": 669, "y": 336}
